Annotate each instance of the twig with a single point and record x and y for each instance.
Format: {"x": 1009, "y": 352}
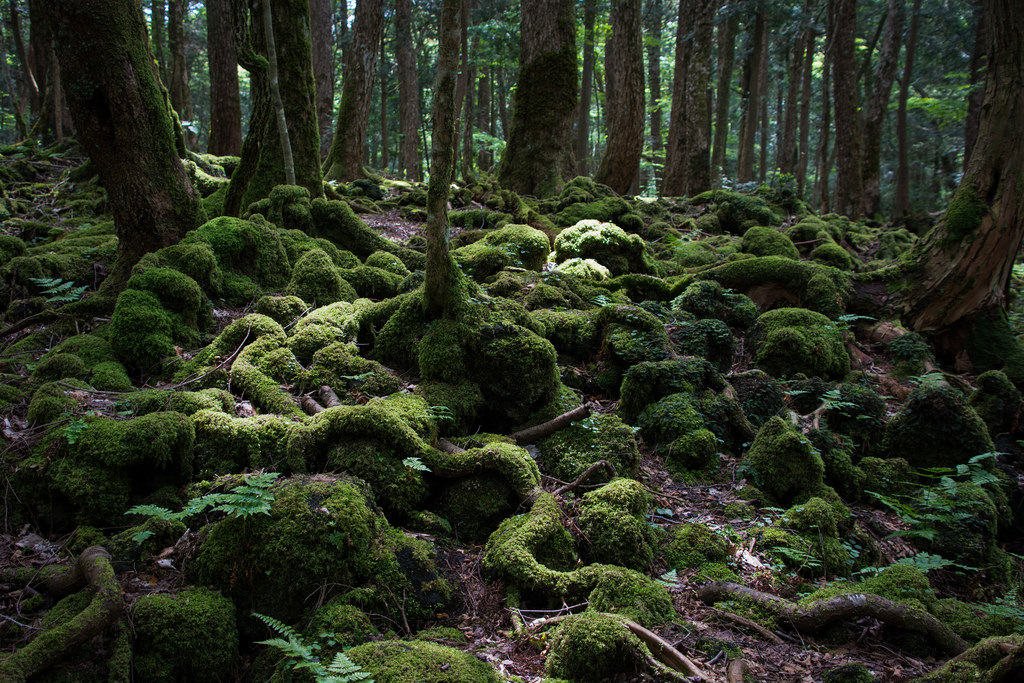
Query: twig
{"x": 600, "y": 464}
{"x": 748, "y": 623}
{"x": 537, "y": 432}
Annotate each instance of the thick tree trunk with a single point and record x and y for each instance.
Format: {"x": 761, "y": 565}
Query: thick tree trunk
{"x": 225, "y": 102}
{"x": 122, "y": 122}
{"x": 408, "y": 93}
{"x": 287, "y": 160}
{"x": 624, "y": 74}
{"x": 823, "y": 167}
{"x": 181, "y": 96}
{"x": 345, "y": 161}
{"x": 901, "y": 205}
{"x": 586, "y": 89}
{"x": 653, "y": 18}
{"x": 440, "y": 288}
{"x": 849, "y": 176}
{"x": 40, "y": 54}
{"x": 723, "y": 93}
{"x": 963, "y": 264}
{"x": 321, "y": 23}
{"x": 878, "y": 105}
{"x": 688, "y": 151}
{"x": 977, "y": 70}
{"x": 786, "y": 154}
{"x": 751, "y": 97}
{"x": 538, "y": 157}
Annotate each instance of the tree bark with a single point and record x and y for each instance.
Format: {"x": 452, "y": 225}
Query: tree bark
{"x": 122, "y": 122}
{"x": 726, "y": 59}
{"x": 408, "y": 93}
{"x": 653, "y": 18}
{"x": 787, "y": 155}
{"x": 964, "y": 262}
{"x": 345, "y": 161}
{"x": 901, "y": 205}
{"x": 624, "y": 97}
{"x": 16, "y": 106}
{"x": 878, "y": 105}
{"x": 225, "y": 101}
{"x": 385, "y": 153}
{"x": 538, "y": 157}
{"x": 484, "y": 119}
{"x": 849, "y": 176}
{"x": 823, "y": 166}
{"x": 287, "y": 160}
{"x": 751, "y": 97}
{"x": 158, "y": 24}
{"x": 805, "y": 104}
{"x": 688, "y": 151}
{"x": 977, "y": 71}
{"x": 586, "y": 89}
{"x": 181, "y": 96}
{"x": 321, "y": 22}
{"x": 442, "y": 275}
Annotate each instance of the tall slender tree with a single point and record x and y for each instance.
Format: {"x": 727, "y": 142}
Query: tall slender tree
{"x": 849, "y": 176}
{"x": 624, "y": 84}
{"x": 225, "y": 100}
{"x": 877, "y": 106}
{"x": 901, "y": 205}
{"x": 750, "y": 101}
{"x": 408, "y": 93}
{"x": 723, "y": 91}
{"x": 654, "y": 16}
{"x": 586, "y": 89}
{"x": 321, "y": 24}
{"x": 181, "y": 95}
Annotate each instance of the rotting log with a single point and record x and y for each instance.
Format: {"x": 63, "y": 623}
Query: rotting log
{"x": 49, "y": 647}
{"x": 821, "y": 613}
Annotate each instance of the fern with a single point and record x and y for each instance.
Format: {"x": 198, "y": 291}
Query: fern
{"x": 302, "y": 656}
{"x": 253, "y": 496}
{"x": 57, "y": 290}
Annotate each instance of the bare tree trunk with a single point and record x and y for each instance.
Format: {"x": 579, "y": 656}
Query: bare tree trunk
{"x": 624, "y": 83}
{"x": 58, "y": 95}
{"x": 468, "y": 114}
{"x": 158, "y": 24}
{"x": 321, "y": 21}
{"x": 849, "y": 177}
{"x": 823, "y": 163}
{"x": 348, "y": 149}
{"x": 538, "y": 157}
{"x": 786, "y": 154}
{"x": 408, "y": 93}
{"x": 751, "y": 97}
{"x": 586, "y": 89}
{"x": 653, "y": 19}
{"x": 440, "y": 288}
{"x": 977, "y": 70}
{"x": 484, "y": 119}
{"x": 181, "y": 96}
{"x": 31, "y": 88}
{"x": 462, "y": 84}
{"x": 901, "y": 206}
{"x": 225, "y": 101}
{"x": 805, "y": 104}
{"x": 726, "y": 58}
{"x": 688, "y": 152}
{"x": 762, "y": 167}
{"x": 878, "y": 105}
{"x": 385, "y": 156}
{"x": 16, "y": 106}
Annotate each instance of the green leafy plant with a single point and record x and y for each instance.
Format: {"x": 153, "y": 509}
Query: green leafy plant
{"x": 305, "y": 657}
{"x": 57, "y": 291}
{"x": 253, "y": 496}
{"x": 415, "y": 464}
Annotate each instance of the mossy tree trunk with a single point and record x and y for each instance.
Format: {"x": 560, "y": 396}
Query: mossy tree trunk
{"x": 877, "y": 106}
{"x": 345, "y": 160}
{"x": 688, "y": 154}
{"x": 624, "y": 95}
{"x": 723, "y": 89}
{"x": 321, "y": 24}
{"x": 225, "y": 101}
{"x": 442, "y": 275}
{"x": 123, "y": 122}
{"x": 962, "y": 266}
{"x": 654, "y": 15}
{"x": 538, "y": 157}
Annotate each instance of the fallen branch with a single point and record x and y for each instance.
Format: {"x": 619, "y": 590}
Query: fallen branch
{"x": 600, "y": 464}
{"x": 821, "y": 613}
{"x": 538, "y": 432}
{"x": 310, "y": 406}
{"x": 329, "y": 398}
{"x": 747, "y": 623}
{"x": 50, "y": 646}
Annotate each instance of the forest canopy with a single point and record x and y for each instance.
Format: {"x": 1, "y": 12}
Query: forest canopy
{"x": 562, "y": 340}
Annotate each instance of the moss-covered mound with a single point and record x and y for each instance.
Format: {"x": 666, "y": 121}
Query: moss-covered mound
{"x": 613, "y": 519}
{"x": 794, "y": 340}
{"x": 404, "y": 661}
{"x": 608, "y": 244}
{"x": 936, "y": 428}
{"x": 783, "y": 463}
{"x": 593, "y": 647}
{"x": 568, "y": 452}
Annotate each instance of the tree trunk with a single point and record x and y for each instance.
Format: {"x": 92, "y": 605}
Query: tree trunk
{"x": 321, "y": 21}
{"x": 122, "y": 122}
{"x": 878, "y": 105}
{"x": 440, "y": 288}
{"x": 469, "y": 114}
{"x": 786, "y": 154}
{"x": 408, "y": 93}
{"x": 586, "y": 89}
{"x": 849, "y": 178}
{"x": 805, "y": 104}
{"x": 40, "y": 52}
{"x": 181, "y": 96}
{"x": 901, "y": 206}
{"x": 688, "y": 152}
{"x": 624, "y": 84}
{"x": 538, "y": 157}
{"x": 31, "y": 88}
{"x": 484, "y": 119}
{"x": 16, "y": 106}
{"x": 287, "y": 160}
{"x": 726, "y": 58}
{"x": 345, "y": 161}
{"x": 385, "y": 155}
{"x": 158, "y": 22}
{"x": 751, "y": 97}
{"x": 462, "y": 84}
{"x": 225, "y": 102}
{"x": 977, "y": 70}
{"x": 963, "y": 264}
{"x": 823, "y": 167}
{"x": 653, "y": 19}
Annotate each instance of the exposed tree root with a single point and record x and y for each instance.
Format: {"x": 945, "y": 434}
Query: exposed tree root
{"x": 310, "y": 406}
{"x": 747, "y": 623}
{"x": 538, "y": 432}
{"x": 50, "y": 646}
{"x": 600, "y": 464}
{"x": 329, "y": 398}
{"x": 821, "y": 613}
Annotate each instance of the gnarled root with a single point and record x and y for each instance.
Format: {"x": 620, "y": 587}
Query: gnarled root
{"x": 94, "y": 569}
{"x": 821, "y": 613}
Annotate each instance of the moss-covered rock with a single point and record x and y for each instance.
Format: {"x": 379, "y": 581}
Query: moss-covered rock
{"x": 708, "y": 299}
{"x": 936, "y": 428}
{"x": 315, "y": 278}
{"x": 909, "y": 353}
{"x": 648, "y": 382}
{"x": 608, "y": 244}
{"x": 793, "y": 340}
{"x": 189, "y": 635}
{"x": 516, "y": 245}
{"x": 403, "y": 661}
{"x": 831, "y": 254}
{"x": 282, "y": 309}
{"x": 143, "y": 332}
{"x": 783, "y": 463}
{"x": 584, "y": 269}
{"x": 49, "y": 402}
{"x": 764, "y": 241}
{"x": 997, "y": 402}
{"x": 710, "y": 339}
{"x": 226, "y": 444}
{"x": 775, "y": 281}
{"x": 737, "y": 212}
{"x": 340, "y": 366}
{"x": 613, "y": 519}
{"x": 177, "y": 292}
{"x": 593, "y": 647}
{"x": 760, "y": 395}
{"x": 251, "y": 248}
{"x": 691, "y": 545}
{"x": 568, "y": 452}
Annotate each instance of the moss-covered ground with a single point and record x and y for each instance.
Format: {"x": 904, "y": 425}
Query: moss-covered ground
{"x": 263, "y": 420}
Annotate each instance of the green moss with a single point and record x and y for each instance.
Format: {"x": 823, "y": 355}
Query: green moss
{"x": 760, "y": 395}
{"x": 763, "y": 241}
{"x": 475, "y": 505}
{"x": 342, "y": 624}
{"x": 142, "y": 330}
{"x": 393, "y": 661}
{"x": 226, "y": 444}
{"x": 571, "y": 332}
{"x": 783, "y": 463}
{"x": 340, "y": 366}
{"x": 710, "y": 339}
{"x": 936, "y": 428}
{"x": 909, "y": 352}
{"x": 126, "y": 550}
{"x": 708, "y": 299}
{"x": 315, "y": 278}
{"x": 814, "y": 286}
{"x": 605, "y": 210}
{"x": 648, "y": 382}
{"x": 794, "y": 340}
{"x": 177, "y": 292}
{"x": 831, "y": 254}
{"x": 49, "y": 402}
{"x": 996, "y": 401}
{"x": 336, "y": 221}
{"x": 613, "y": 519}
{"x": 737, "y": 212}
{"x": 592, "y": 647}
{"x": 693, "y": 545}
{"x": 282, "y": 309}
{"x": 849, "y": 673}
{"x": 858, "y": 412}
{"x": 462, "y": 400}
{"x": 319, "y": 529}
{"x": 609, "y": 245}
{"x": 568, "y": 452}
{"x": 963, "y": 215}
{"x": 886, "y": 475}
{"x": 251, "y": 247}
{"x": 204, "y": 643}
{"x": 56, "y": 366}
{"x": 388, "y": 262}
{"x": 585, "y": 269}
